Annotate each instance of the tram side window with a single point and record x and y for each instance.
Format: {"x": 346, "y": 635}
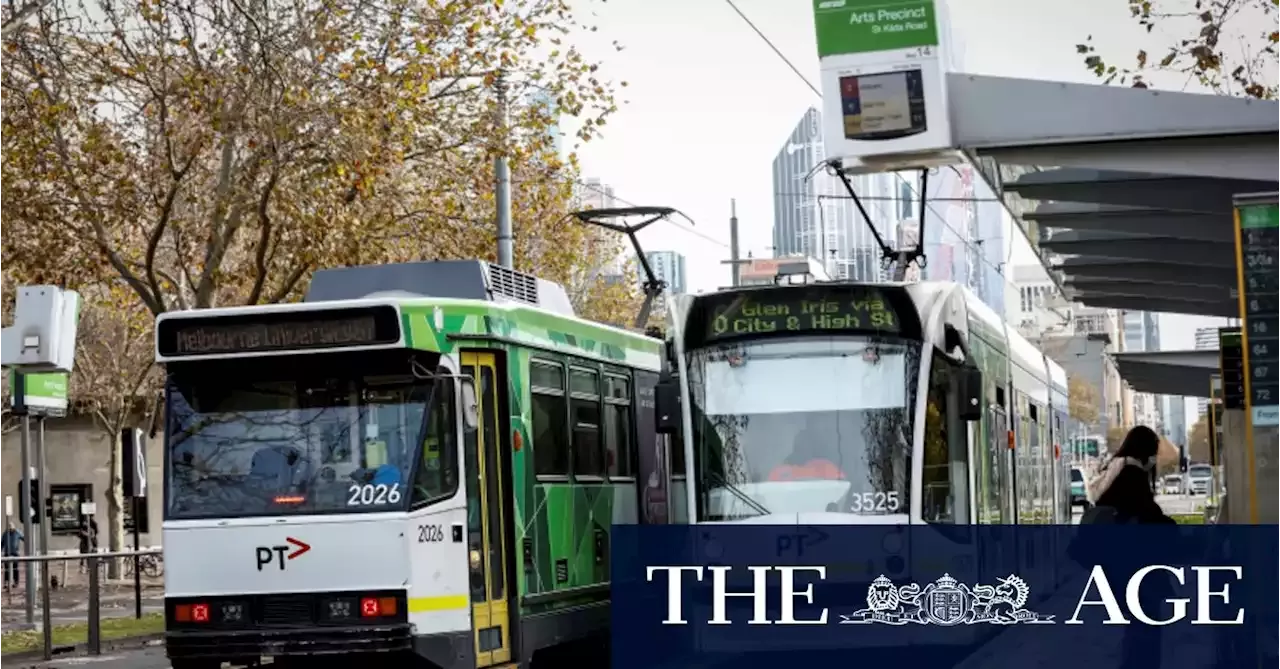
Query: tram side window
{"x": 584, "y": 405}
{"x": 617, "y": 426}
{"x": 437, "y": 475}
{"x": 946, "y": 457}
{"x": 550, "y": 419}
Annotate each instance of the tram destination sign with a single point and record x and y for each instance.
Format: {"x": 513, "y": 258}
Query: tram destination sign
{"x": 784, "y": 310}
{"x": 1258, "y": 236}
{"x": 1231, "y": 364}
{"x": 278, "y": 331}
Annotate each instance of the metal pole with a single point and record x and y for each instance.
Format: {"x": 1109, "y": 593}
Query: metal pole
{"x": 95, "y": 631}
{"x": 734, "y": 267}
{"x": 137, "y": 561}
{"x": 27, "y": 530}
{"x": 900, "y": 267}
{"x": 46, "y": 616}
{"x": 502, "y": 172}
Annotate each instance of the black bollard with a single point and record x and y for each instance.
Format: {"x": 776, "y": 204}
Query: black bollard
{"x": 137, "y": 562}
{"x": 95, "y": 633}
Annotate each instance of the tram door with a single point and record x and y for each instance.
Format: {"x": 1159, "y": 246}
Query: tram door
{"x": 488, "y": 550}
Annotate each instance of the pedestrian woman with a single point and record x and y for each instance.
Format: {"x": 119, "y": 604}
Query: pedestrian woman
{"x": 1125, "y": 489}
{"x": 88, "y": 539}
{"x": 1124, "y": 495}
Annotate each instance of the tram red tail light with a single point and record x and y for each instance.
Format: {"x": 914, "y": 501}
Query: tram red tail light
{"x": 191, "y": 613}
{"x": 377, "y": 607}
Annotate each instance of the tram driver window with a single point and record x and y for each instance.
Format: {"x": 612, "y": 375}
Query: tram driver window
{"x": 437, "y": 475}
{"x": 945, "y": 484}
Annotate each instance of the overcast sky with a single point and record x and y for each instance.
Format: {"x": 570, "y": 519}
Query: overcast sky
{"x": 709, "y": 104}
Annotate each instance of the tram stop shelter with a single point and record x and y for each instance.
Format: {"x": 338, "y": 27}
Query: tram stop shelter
{"x": 1128, "y": 193}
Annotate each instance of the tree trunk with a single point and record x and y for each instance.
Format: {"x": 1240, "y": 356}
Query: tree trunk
{"x": 115, "y": 504}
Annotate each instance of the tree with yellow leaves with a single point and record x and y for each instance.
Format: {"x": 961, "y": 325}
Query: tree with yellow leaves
{"x": 1228, "y": 46}
{"x": 1082, "y": 400}
{"x": 1167, "y": 457}
{"x": 1115, "y": 437}
{"x": 1198, "y": 446}
{"x": 163, "y": 155}
{"x": 115, "y": 381}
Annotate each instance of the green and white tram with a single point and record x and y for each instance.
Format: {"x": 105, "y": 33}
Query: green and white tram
{"x": 417, "y": 466}
{"x": 833, "y": 403}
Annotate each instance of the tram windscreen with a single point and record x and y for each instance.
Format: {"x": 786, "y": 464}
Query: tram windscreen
{"x": 344, "y": 433}
{"x": 813, "y": 424}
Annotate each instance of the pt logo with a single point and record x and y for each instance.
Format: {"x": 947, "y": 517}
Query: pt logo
{"x": 268, "y": 554}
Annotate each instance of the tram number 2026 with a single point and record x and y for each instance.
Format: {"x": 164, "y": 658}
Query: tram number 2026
{"x": 430, "y": 534}
{"x": 369, "y": 494}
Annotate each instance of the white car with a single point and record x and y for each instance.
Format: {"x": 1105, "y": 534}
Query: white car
{"x": 1198, "y": 480}
{"x": 1172, "y": 485}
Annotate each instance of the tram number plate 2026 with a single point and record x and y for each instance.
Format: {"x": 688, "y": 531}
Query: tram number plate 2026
{"x": 430, "y": 534}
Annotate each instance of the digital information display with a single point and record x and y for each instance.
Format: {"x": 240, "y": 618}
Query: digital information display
{"x": 1257, "y": 247}
{"x": 1231, "y": 364}
{"x": 287, "y": 331}
{"x": 883, "y": 106}
{"x": 796, "y": 310}
{"x": 1259, "y": 234}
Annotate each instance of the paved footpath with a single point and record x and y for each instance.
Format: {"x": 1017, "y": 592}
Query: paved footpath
{"x": 143, "y": 658}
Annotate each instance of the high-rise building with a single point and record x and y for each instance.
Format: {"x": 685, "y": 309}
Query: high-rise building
{"x": 669, "y": 267}
{"x": 1175, "y": 420}
{"x": 1206, "y": 340}
{"x": 1039, "y": 309}
{"x": 813, "y": 215}
{"x": 543, "y": 99}
{"x": 595, "y": 194}
{"x": 963, "y": 240}
{"x": 1141, "y": 332}
{"x": 592, "y": 193}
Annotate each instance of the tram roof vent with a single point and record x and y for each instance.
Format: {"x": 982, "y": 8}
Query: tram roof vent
{"x": 459, "y": 279}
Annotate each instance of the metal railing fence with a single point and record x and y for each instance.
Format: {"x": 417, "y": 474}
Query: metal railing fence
{"x": 93, "y": 560}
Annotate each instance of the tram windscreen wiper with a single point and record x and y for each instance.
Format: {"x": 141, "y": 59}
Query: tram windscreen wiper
{"x": 720, "y": 481}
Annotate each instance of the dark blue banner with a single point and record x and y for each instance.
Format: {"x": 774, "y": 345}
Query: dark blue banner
{"x": 989, "y": 597}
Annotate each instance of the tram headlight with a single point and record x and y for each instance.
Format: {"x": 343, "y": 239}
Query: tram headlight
{"x": 232, "y": 612}
{"x": 340, "y": 609}
{"x": 475, "y": 558}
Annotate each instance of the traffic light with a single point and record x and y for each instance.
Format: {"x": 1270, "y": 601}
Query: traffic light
{"x": 1182, "y": 464}
{"x": 25, "y": 495}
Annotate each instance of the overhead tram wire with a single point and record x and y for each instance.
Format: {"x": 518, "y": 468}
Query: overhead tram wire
{"x": 595, "y": 189}
{"x": 999, "y": 270}
{"x": 682, "y": 226}
{"x": 775, "y": 49}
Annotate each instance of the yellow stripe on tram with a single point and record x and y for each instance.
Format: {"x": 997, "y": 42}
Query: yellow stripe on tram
{"x": 442, "y": 603}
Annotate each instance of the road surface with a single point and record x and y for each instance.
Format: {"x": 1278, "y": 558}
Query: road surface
{"x": 146, "y": 658}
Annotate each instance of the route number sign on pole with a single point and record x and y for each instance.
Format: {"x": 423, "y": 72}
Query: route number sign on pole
{"x": 1257, "y": 219}
{"x": 1231, "y": 366}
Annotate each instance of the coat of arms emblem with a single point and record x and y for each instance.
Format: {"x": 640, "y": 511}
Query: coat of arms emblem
{"x": 946, "y": 602}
